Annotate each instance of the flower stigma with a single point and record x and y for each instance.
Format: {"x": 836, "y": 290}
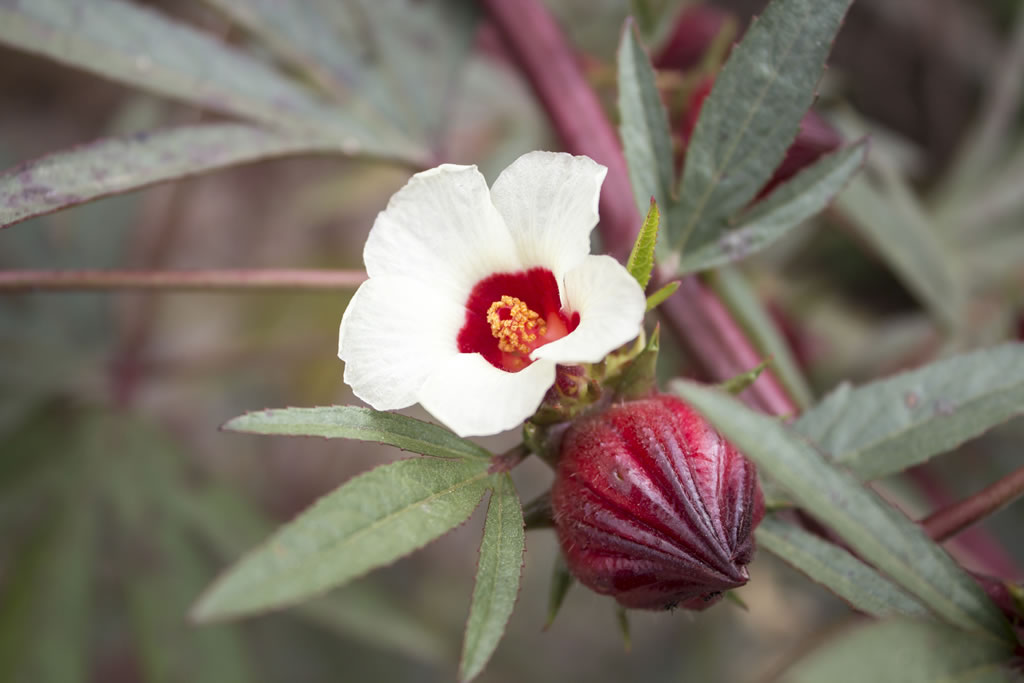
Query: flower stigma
{"x": 514, "y": 324}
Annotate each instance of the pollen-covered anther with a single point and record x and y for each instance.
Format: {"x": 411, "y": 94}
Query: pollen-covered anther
{"x": 514, "y": 324}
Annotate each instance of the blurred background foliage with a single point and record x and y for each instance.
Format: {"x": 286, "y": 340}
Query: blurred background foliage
{"x": 120, "y": 500}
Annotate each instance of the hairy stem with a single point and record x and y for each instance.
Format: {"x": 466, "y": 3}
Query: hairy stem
{"x": 694, "y": 313}
{"x": 82, "y": 280}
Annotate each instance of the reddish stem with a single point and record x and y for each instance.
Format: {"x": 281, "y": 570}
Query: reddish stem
{"x": 695, "y": 314}
{"x": 977, "y": 544}
{"x": 953, "y": 519}
{"x": 81, "y": 280}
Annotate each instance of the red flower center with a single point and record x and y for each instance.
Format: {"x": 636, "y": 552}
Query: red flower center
{"x": 508, "y": 315}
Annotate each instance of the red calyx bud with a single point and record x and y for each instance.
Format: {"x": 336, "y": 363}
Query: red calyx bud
{"x": 653, "y": 507}
{"x": 815, "y": 138}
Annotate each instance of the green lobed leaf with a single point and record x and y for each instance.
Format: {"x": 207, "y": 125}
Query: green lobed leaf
{"x": 825, "y": 563}
{"x": 888, "y": 425}
{"x": 641, "y": 259}
{"x": 115, "y": 165}
{"x": 646, "y": 139}
{"x": 364, "y": 424}
{"x": 497, "y": 578}
{"x": 743, "y": 300}
{"x": 229, "y": 523}
{"x": 752, "y": 114}
{"x": 771, "y": 218}
{"x": 302, "y": 35}
{"x": 888, "y": 216}
{"x": 144, "y": 49}
{"x": 659, "y": 297}
{"x": 904, "y": 651}
{"x": 385, "y": 54}
{"x": 876, "y": 531}
{"x": 369, "y": 522}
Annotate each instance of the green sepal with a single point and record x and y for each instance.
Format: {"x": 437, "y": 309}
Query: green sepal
{"x": 639, "y": 379}
{"x": 622, "y": 619}
{"x": 561, "y": 582}
{"x": 658, "y": 298}
{"x": 641, "y": 259}
{"x": 735, "y": 599}
{"x": 735, "y": 385}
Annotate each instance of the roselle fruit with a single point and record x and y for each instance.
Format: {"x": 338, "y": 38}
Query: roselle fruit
{"x": 653, "y": 507}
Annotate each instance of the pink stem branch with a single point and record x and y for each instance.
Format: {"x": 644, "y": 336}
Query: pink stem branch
{"x": 953, "y": 519}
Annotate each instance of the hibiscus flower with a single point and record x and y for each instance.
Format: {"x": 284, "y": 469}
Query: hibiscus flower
{"x": 475, "y": 296}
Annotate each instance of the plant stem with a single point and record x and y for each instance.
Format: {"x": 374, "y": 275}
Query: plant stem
{"x": 149, "y": 250}
{"x": 537, "y": 513}
{"x": 508, "y": 460}
{"x": 262, "y": 279}
{"x": 951, "y": 520}
{"x": 694, "y": 313}
{"x": 977, "y": 545}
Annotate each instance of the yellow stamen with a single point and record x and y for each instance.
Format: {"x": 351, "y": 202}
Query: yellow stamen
{"x": 514, "y": 325}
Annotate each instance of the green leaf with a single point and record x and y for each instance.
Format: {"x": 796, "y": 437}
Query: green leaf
{"x": 743, "y": 300}
{"x": 771, "y": 218}
{"x": 45, "y": 621}
{"x": 388, "y": 55}
{"x": 141, "y": 48}
{"x": 171, "y": 649}
{"x": 658, "y": 298}
{"x": 371, "y": 521}
{"x": 875, "y": 530}
{"x": 229, "y": 523}
{"x": 561, "y": 581}
{"x": 646, "y": 139}
{"x": 886, "y": 426}
{"x": 641, "y": 258}
{"x": 115, "y": 165}
{"x": 888, "y": 216}
{"x": 497, "y": 578}
{"x": 752, "y": 114}
{"x": 859, "y": 585}
{"x": 904, "y": 651}
{"x": 364, "y": 424}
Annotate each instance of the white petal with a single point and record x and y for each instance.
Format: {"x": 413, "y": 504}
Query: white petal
{"x": 394, "y": 334}
{"x": 443, "y": 230}
{"x": 549, "y": 203}
{"x": 474, "y": 398}
{"x": 611, "y": 307}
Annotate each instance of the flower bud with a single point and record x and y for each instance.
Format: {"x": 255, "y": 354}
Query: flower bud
{"x": 653, "y": 507}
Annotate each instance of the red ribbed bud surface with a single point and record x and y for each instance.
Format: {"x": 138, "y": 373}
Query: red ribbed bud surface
{"x": 653, "y": 507}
